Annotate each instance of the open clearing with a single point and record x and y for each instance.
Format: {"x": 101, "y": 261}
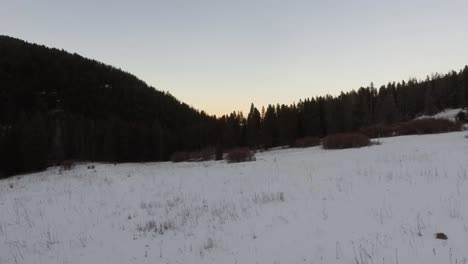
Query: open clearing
{"x": 378, "y": 204}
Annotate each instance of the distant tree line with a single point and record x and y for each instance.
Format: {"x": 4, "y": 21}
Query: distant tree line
{"x": 57, "y": 106}
{"x": 282, "y": 125}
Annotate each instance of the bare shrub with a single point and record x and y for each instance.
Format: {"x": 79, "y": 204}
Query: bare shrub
{"x": 210, "y": 244}
{"x": 194, "y": 156}
{"x": 414, "y": 127}
{"x": 180, "y": 156}
{"x": 240, "y": 155}
{"x": 341, "y": 141}
{"x": 150, "y": 226}
{"x": 432, "y": 126}
{"x": 67, "y": 165}
{"x": 269, "y": 198}
{"x": 153, "y": 227}
{"x": 205, "y": 154}
{"x": 307, "y": 142}
{"x": 379, "y": 131}
{"x": 218, "y": 153}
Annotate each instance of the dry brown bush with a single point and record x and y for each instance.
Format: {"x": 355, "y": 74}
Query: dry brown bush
{"x": 341, "y": 141}
{"x": 307, "y": 142}
{"x": 379, "y": 131}
{"x": 180, "y": 156}
{"x": 207, "y": 153}
{"x": 240, "y": 155}
{"x": 414, "y": 127}
{"x": 433, "y": 126}
{"x": 67, "y": 165}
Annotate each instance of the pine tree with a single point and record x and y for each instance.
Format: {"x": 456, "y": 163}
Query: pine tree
{"x": 287, "y": 124}
{"x": 429, "y": 101}
{"x": 269, "y": 132}
{"x": 253, "y": 127}
{"x": 387, "y": 108}
{"x": 464, "y": 85}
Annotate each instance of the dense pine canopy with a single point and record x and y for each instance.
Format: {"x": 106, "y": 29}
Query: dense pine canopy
{"x": 57, "y": 106}
{"x": 64, "y": 106}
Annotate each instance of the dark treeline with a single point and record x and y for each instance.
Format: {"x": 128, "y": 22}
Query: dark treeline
{"x": 57, "y": 106}
{"x": 282, "y": 125}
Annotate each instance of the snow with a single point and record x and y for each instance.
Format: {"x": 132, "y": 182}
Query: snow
{"x": 449, "y": 114}
{"x": 377, "y": 204}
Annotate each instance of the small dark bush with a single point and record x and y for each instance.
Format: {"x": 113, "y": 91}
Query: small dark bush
{"x": 307, "y": 142}
{"x": 461, "y": 116}
{"x": 180, "y": 156}
{"x": 240, "y": 155}
{"x": 341, "y": 141}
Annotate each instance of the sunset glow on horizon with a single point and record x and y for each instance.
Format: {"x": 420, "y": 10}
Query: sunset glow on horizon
{"x": 221, "y": 56}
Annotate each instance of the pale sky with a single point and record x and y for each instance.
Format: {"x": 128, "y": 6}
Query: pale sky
{"x": 220, "y": 56}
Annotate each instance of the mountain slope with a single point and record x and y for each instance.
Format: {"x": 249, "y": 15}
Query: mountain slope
{"x": 56, "y": 106}
{"x": 87, "y": 110}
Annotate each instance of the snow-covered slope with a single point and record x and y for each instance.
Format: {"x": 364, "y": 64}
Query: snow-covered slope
{"x": 378, "y": 204}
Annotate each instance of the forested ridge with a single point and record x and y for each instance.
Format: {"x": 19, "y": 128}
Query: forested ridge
{"x": 57, "y": 106}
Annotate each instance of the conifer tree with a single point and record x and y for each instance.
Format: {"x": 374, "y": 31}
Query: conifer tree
{"x": 429, "y": 101}
{"x": 253, "y": 127}
{"x": 269, "y": 132}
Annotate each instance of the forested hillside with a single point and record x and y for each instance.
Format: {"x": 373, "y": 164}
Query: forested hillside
{"x": 57, "y": 106}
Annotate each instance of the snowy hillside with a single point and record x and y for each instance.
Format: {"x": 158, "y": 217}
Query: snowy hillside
{"x": 378, "y": 204}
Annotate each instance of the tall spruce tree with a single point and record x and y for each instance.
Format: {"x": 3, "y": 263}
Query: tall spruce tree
{"x": 429, "y": 100}
{"x": 270, "y": 129}
{"x": 253, "y": 127}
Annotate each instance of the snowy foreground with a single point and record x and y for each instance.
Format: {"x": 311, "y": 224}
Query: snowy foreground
{"x": 378, "y": 204}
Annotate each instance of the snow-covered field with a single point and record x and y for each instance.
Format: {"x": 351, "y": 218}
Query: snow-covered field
{"x": 378, "y": 204}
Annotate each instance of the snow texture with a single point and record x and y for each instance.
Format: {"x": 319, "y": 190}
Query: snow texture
{"x": 379, "y": 204}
